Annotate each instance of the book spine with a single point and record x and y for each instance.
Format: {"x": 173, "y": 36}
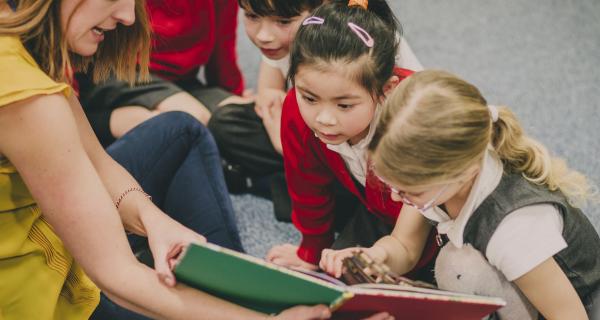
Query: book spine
{"x": 337, "y": 303}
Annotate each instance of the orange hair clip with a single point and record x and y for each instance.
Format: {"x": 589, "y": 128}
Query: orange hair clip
{"x": 361, "y": 3}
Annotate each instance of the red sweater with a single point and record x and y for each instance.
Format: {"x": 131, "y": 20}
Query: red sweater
{"x": 310, "y": 169}
{"x": 188, "y": 34}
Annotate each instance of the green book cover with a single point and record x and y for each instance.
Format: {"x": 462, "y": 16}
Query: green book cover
{"x": 252, "y": 282}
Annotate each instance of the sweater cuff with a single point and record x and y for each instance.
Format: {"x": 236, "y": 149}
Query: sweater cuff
{"x": 311, "y": 246}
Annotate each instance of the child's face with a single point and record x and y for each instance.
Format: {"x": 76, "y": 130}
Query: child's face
{"x": 272, "y": 35}
{"x": 85, "y": 22}
{"x": 335, "y": 108}
{"x": 427, "y": 196}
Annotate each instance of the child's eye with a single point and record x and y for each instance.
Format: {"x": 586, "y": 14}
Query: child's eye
{"x": 251, "y": 16}
{"x": 308, "y": 99}
{"x": 284, "y": 21}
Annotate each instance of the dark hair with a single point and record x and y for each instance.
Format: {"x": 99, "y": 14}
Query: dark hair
{"x": 316, "y": 44}
{"x": 279, "y": 8}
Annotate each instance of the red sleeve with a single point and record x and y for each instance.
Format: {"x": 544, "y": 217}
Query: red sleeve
{"x": 222, "y": 69}
{"x": 309, "y": 181}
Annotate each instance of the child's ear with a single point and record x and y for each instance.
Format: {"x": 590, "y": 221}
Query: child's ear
{"x": 392, "y": 83}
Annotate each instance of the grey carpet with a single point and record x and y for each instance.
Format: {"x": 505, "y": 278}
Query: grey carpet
{"x": 540, "y": 57}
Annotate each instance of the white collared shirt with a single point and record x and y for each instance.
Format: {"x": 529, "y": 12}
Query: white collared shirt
{"x": 524, "y": 239}
{"x": 282, "y": 64}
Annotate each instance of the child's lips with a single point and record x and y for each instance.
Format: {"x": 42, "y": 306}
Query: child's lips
{"x": 329, "y": 136}
{"x": 269, "y": 52}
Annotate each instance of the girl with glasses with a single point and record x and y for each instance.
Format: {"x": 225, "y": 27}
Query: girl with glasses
{"x": 468, "y": 169}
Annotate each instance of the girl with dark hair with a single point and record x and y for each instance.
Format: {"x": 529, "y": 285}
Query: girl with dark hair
{"x": 342, "y": 67}
{"x": 248, "y": 135}
{"x": 64, "y": 203}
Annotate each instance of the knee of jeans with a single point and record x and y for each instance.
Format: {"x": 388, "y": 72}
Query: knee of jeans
{"x": 181, "y": 118}
{"x": 185, "y": 122}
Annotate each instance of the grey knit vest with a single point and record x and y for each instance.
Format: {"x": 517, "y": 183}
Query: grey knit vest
{"x": 580, "y": 260}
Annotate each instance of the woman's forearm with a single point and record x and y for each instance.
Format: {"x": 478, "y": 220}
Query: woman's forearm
{"x": 179, "y": 302}
{"x": 114, "y": 177}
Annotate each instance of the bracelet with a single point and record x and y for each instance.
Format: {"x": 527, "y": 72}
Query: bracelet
{"x": 122, "y": 196}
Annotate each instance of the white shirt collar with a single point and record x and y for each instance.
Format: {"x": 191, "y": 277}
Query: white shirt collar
{"x": 488, "y": 179}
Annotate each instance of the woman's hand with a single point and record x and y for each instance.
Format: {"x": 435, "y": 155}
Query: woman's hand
{"x": 320, "y": 312}
{"x": 304, "y": 312}
{"x": 332, "y": 261}
{"x": 167, "y": 238}
{"x": 285, "y": 255}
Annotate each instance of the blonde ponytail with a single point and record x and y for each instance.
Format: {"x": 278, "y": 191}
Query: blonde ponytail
{"x": 522, "y": 154}
{"x": 434, "y": 126}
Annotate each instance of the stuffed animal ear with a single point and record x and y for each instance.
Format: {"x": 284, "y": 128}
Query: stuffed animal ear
{"x": 466, "y": 270}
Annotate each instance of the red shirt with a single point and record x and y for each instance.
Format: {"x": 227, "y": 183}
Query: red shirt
{"x": 310, "y": 169}
{"x": 188, "y": 34}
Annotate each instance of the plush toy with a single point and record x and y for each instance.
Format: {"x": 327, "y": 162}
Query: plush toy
{"x": 466, "y": 270}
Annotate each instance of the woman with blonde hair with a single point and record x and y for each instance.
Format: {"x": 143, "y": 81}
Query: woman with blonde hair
{"x": 467, "y": 167}
{"x": 64, "y": 203}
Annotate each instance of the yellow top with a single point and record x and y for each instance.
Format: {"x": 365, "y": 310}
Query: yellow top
{"x": 40, "y": 279}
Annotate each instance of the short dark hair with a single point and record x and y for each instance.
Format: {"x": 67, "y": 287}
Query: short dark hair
{"x": 333, "y": 41}
{"x": 279, "y": 8}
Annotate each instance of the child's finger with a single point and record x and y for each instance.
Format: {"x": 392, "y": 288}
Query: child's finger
{"x": 331, "y": 262}
{"x": 339, "y": 264}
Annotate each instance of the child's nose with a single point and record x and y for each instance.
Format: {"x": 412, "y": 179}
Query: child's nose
{"x": 264, "y": 33}
{"x": 326, "y": 118}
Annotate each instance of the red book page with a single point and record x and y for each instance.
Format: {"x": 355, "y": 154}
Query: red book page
{"x": 411, "y": 306}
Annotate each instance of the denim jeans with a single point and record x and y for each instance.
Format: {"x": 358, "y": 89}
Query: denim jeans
{"x": 176, "y": 161}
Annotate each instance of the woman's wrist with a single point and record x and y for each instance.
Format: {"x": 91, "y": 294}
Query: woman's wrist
{"x": 135, "y": 207}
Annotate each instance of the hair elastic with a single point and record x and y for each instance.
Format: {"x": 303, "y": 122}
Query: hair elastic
{"x": 313, "y": 20}
{"x": 362, "y": 34}
{"x": 493, "y": 112}
{"x": 361, "y": 3}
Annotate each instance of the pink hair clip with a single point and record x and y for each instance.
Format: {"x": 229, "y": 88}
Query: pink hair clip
{"x": 313, "y": 20}
{"x": 362, "y": 34}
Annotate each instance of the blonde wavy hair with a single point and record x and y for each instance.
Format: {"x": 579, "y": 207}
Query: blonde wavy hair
{"x": 435, "y": 125}
{"x": 124, "y": 51}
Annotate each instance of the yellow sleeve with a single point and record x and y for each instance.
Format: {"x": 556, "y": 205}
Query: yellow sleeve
{"x": 20, "y": 77}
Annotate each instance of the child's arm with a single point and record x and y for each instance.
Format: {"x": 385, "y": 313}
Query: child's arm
{"x": 550, "y": 291}
{"x": 269, "y": 100}
{"x": 310, "y": 183}
{"x": 405, "y": 245}
{"x": 400, "y": 251}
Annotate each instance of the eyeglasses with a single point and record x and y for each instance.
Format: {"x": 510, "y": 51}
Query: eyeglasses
{"x": 404, "y": 199}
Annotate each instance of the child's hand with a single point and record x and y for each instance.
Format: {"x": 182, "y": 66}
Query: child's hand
{"x": 267, "y": 99}
{"x": 332, "y": 260}
{"x": 285, "y": 255}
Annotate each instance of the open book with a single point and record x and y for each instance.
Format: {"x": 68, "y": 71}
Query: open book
{"x": 266, "y": 287}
